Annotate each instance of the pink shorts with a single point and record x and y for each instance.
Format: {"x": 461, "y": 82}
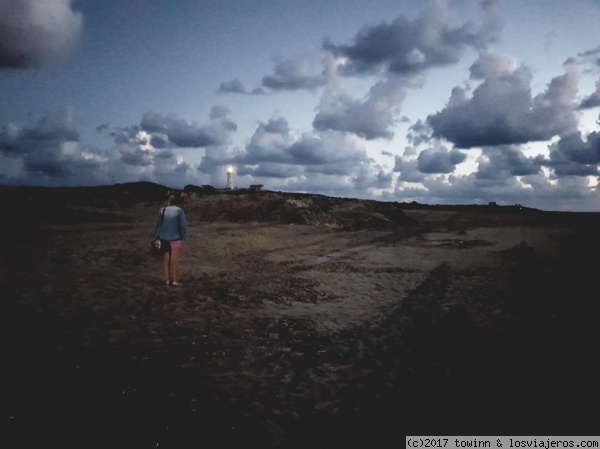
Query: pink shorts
{"x": 177, "y": 245}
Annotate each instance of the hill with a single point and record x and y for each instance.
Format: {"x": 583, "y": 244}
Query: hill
{"x": 117, "y": 202}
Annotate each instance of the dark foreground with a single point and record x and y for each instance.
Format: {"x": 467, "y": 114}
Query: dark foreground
{"x": 298, "y": 336}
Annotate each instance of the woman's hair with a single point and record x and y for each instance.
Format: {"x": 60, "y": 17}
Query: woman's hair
{"x": 170, "y": 198}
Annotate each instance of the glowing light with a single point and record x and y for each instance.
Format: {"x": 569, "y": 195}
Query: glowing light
{"x": 230, "y": 177}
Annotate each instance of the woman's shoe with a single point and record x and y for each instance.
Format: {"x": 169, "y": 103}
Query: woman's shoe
{"x": 176, "y": 284}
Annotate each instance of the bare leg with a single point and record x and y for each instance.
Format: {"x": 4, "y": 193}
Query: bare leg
{"x": 167, "y": 266}
{"x": 175, "y": 258}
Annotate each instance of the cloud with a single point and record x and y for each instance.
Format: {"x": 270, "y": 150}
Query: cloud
{"x": 183, "y": 134}
{"x": 34, "y": 33}
{"x": 419, "y": 132}
{"x": 234, "y": 86}
{"x": 50, "y": 153}
{"x": 574, "y": 156}
{"x": 135, "y": 157}
{"x": 45, "y": 135}
{"x": 405, "y": 47}
{"x": 273, "y": 142}
{"x": 502, "y": 111}
{"x": 408, "y": 170}
{"x": 269, "y": 143}
{"x": 401, "y": 52}
{"x": 491, "y": 65}
{"x": 534, "y": 190}
{"x": 591, "y": 55}
{"x": 502, "y": 162}
{"x": 270, "y": 170}
{"x": 326, "y": 161}
{"x": 592, "y": 100}
{"x": 439, "y": 160}
{"x": 288, "y": 75}
{"x": 371, "y": 118}
{"x": 295, "y": 74}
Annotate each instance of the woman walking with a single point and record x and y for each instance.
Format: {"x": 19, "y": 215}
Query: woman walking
{"x": 171, "y": 225}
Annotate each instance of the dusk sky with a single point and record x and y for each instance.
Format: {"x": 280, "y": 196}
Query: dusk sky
{"x": 439, "y": 102}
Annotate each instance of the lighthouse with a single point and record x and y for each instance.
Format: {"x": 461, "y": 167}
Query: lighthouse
{"x": 230, "y": 178}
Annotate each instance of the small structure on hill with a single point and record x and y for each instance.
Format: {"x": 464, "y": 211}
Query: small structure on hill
{"x": 255, "y": 187}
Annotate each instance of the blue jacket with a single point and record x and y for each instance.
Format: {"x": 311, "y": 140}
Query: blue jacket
{"x": 174, "y": 225}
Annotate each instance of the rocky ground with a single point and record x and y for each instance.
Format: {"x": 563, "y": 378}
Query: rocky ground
{"x": 303, "y": 321}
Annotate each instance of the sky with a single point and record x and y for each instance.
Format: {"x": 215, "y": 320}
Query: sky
{"x": 438, "y": 102}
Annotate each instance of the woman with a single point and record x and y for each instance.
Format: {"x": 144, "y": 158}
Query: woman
{"x": 171, "y": 225}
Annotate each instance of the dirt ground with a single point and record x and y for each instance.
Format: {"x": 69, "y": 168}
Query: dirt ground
{"x": 292, "y": 335}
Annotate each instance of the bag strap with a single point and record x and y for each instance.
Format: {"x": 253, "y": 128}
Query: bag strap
{"x": 159, "y": 223}
{"x": 179, "y": 226}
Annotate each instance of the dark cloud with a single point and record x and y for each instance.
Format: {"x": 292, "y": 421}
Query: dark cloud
{"x": 48, "y": 133}
{"x": 272, "y": 142}
{"x": 124, "y": 135}
{"x": 405, "y": 47}
{"x": 398, "y": 164}
{"x": 331, "y": 161}
{"x": 594, "y": 53}
{"x": 308, "y": 151}
{"x": 158, "y": 142}
{"x": 234, "y": 86}
{"x": 136, "y": 157}
{"x": 408, "y": 170}
{"x": 400, "y": 51}
{"x": 290, "y": 75}
{"x": 502, "y": 111}
{"x": 419, "y": 132}
{"x": 46, "y": 165}
{"x": 294, "y": 74}
{"x": 370, "y": 119}
{"x": 101, "y": 129}
{"x": 172, "y": 173}
{"x": 34, "y": 33}
{"x": 50, "y": 153}
{"x": 572, "y": 155}
{"x": 190, "y": 135}
{"x": 439, "y": 160}
{"x": 503, "y": 162}
{"x": 369, "y": 178}
{"x": 164, "y": 154}
{"x": 269, "y": 143}
{"x": 592, "y": 100}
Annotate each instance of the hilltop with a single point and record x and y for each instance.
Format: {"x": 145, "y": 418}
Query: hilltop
{"x": 117, "y": 202}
